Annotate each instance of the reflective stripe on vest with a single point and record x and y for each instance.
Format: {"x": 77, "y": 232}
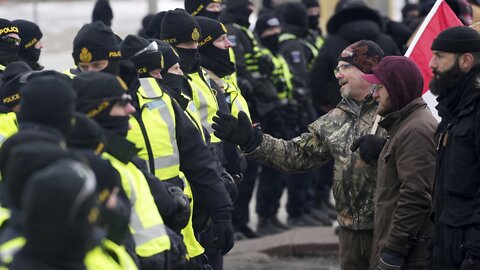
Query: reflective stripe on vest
{"x": 2, "y": 67}
{"x": 146, "y": 224}
{"x": 234, "y": 97}
{"x": 205, "y": 101}
{"x": 109, "y": 256}
{"x": 10, "y": 247}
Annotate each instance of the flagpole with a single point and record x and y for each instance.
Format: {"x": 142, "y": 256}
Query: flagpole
{"x": 422, "y": 27}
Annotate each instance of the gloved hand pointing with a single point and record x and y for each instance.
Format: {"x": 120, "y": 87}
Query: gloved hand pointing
{"x": 370, "y": 147}
{"x": 237, "y": 131}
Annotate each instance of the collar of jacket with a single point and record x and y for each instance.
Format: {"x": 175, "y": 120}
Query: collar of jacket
{"x": 392, "y": 120}
{"x": 119, "y": 147}
{"x": 4, "y": 109}
{"x": 367, "y": 102}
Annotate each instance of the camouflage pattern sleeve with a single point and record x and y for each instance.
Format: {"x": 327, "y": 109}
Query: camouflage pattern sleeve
{"x": 307, "y": 151}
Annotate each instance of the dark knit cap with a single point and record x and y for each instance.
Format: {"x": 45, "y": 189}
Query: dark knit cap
{"x": 102, "y": 12}
{"x": 295, "y": 14}
{"x": 409, "y": 7}
{"x": 457, "y": 39}
{"x": 24, "y": 160}
{"x": 194, "y": 7}
{"x": 10, "y": 91}
{"x": 235, "y": 4}
{"x": 155, "y": 25}
{"x": 178, "y": 26}
{"x": 48, "y": 99}
{"x": 61, "y": 195}
{"x": 148, "y": 60}
{"x": 311, "y": 3}
{"x": 266, "y": 21}
{"x": 8, "y": 27}
{"x": 95, "y": 41}
{"x": 86, "y": 134}
{"x": 97, "y": 92}
{"x": 363, "y": 54}
{"x": 170, "y": 55}
{"x": 30, "y": 33}
{"x": 211, "y": 30}
{"x": 401, "y": 77}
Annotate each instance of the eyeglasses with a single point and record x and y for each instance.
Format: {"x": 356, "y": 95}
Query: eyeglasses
{"x": 151, "y": 48}
{"x": 11, "y": 40}
{"x": 341, "y": 68}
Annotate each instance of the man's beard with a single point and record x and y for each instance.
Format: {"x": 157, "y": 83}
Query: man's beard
{"x": 444, "y": 82}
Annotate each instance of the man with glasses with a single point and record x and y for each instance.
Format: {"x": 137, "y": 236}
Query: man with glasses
{"x": 9, "y": 44}
{"x": 329, "y": 137}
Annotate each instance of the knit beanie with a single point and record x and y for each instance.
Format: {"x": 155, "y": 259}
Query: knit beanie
{"x": 363, "y": 54}
{"x": 295, "y": 14}
{"x": 266, "y": 21}
{"x": 170, "y": 55}
{"x": 178, "y": 26}
{"x": 30, "y": 34}
{"x": 95, "y": 41}
{"x": 144, "y": 54}
{"x": 86, "y": 134}
{"x": 211, "y": 30}
{"x": 401, "y": 77}
{"x": 7, "y": 44}
{"x": 10, "y": 91}
{"x": 155, "y": 25}
{"x": 195, "y": 7}
{"x": 48, "y": 99}
{"x": 234, "y": 4}
{"x": 310, "y": 3}
{"x": 102, "y": 12}
{"x": 457, "y": 39}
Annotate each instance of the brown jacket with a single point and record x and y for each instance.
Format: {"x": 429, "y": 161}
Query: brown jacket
{"x": 403, "y": 197}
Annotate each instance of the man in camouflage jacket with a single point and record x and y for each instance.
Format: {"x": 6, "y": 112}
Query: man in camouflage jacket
{"x": 329, "y": 137}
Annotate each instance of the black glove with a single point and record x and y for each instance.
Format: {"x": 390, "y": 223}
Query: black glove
{"x": 180, "y": 218}
{"x": 230, "y": 185}
{"x": 266, "y": 65}
{"x": 223, "y": 230}
{"x": 237, "y": 131}
{"x": 391, "y": 260}
{"x": 470, "y": 262}
{"x": 370, "y": 147}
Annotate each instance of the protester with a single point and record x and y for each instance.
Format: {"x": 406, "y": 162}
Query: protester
{"x": 403, "y": 195}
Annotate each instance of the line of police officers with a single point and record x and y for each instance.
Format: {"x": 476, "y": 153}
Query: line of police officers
{"x": 113, "y": 164}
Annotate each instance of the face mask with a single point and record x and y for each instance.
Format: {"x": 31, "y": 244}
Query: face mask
{"x": 30, "y": 55}
{"x": 313, "y": 22}
{"x": 173, "y": 81}
{"x": 210, "y": 14}
{"x": 189, "y": 60}
{"x": 217, "y": 60}
{"x": 241, "y": 16}
{"x": 116, "y": 124}
{"x": 112, "y": 68}
{"x": 270, "y": 42}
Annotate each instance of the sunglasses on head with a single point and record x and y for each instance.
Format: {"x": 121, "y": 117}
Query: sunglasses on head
{"x": 11, "y": 40}
{"x": 151, "y": 48}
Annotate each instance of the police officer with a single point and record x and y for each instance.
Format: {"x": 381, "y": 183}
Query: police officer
{"x": 31, "y": 44}
{"x": 9, "y": 43}
{"x": 95, "y": 48}
{"x": 205, "y": 8}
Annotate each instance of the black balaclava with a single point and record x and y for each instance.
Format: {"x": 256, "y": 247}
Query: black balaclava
{"x": 295, "y": 18}
{"x": 60, "y": 210}
{"x": 145, "y": 22}
{"x": 102, "y": 12}
{"x": 265, "y": 22}
{"x": 241, "y": 11}
{"x": 89, "y": 136}
{"x": 143, "y": 55}
{"x": 212, "y": 58}
{"x": 199, "y": 8}
{"x": 312, "y": 20}
{"x": 171, "y": 57}
{"x": 30, "y": 34}
{"x": 48, "y": 99}
{"x": 97, "y": 94}
{"x": 96, "y": 41}
{"x": 10, "y": 90}
{"x": 177, "y": 27}
{"x": 8, "y": 48}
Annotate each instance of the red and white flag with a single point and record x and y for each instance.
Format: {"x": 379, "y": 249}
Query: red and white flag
{"x": 438, "y": 19}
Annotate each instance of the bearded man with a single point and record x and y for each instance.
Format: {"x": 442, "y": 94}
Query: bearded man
{"x": 456, "y": 204}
